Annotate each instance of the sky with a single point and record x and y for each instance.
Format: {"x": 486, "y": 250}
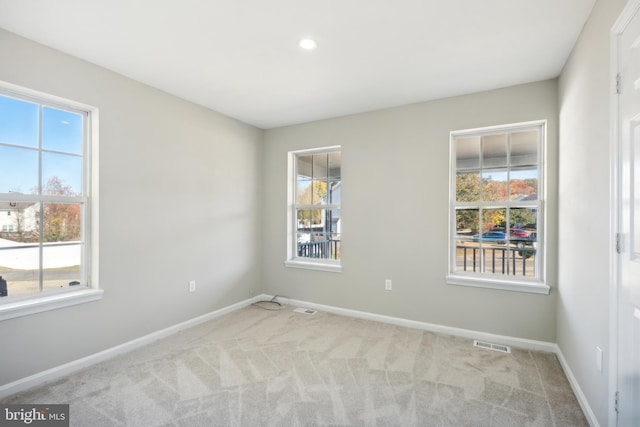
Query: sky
{"x": 19, "y": 141}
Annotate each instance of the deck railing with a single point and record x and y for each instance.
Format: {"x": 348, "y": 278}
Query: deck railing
{"x": 506, "y": 260}
{"x": 323, "y": 249}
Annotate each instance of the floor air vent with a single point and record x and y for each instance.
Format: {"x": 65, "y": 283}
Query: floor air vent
{"x": 491, "y": 346}
{"x": 305, "y": 311}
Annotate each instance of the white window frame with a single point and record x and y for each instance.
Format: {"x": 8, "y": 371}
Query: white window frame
{"x": 22, "y": 305}
{"x": 293, "y": 260}
{"x": 537, "y": 284}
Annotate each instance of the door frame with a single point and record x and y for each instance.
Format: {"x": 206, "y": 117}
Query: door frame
{"x": 615, "y": 211}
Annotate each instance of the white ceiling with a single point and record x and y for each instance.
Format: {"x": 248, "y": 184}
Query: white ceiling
{"x": 240, "y": 57}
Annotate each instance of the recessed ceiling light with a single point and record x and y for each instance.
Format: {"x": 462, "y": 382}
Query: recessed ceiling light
{"x": 308, "y": 44}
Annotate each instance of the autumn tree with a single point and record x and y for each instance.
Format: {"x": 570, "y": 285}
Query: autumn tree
{"x": 523, "y": 187}
{"x": 313, "y": 194}
{"x": 468, "y": 187}
{"x": 61, "y": 221}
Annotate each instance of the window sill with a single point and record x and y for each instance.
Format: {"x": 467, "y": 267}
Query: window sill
{"x": 24, "y": 307}
{"x": 308, "y": 265}
{"x": 506, "y": 285}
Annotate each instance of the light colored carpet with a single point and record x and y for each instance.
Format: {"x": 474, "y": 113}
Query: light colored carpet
{"x": 255, "y": 367}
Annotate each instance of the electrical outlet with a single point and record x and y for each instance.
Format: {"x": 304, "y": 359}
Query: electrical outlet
{"x": 387, "y": 285}
{"x": 192, "y": 286}
{"x": 599, "y": 359}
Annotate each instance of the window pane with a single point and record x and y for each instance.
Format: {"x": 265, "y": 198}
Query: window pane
{"x": 318, "y": 180}
{"x": 18, "y": 122}
{"x": 524, "y": 241}
{"x": 334, "y": 187}
{"x": 494, "y": 150}
{"x": 312, "y": 192}
{"x": 467, "y": 248}
{"x": 467, "y": 187}
{"x": 61, "y": 222}
{"x": 335, "y": 160}
{"x": 320, "y": 166}
{"x": 304, "y": 220}
{"x": 524, "y": 147}
{"x": 319, "y": 246}
{"x": 494, "y": 241}
{"x": 310, "y": 219}
{"x": 19, "y": 170}
{"x": 332, "y": 235}
{"x": 61, "y": 130}
{"x": 303, "y": 187}
{"x": 335, "y": 192}
{"x": 19, "y": 222}
{"x": 319, "y": 193}
{"x": 304, "y": 166}
{"x": 524, "y": 218}
{"x": 467, "y": 223}
{"x": 467, "y": 153}
{"x": 19, "y": 266}
{"x": 61, "y": 174}
{"x": 524, "y": 184}
{"x": 494, "y": 186}
{"x": 61, "y": 266}
{"x": 493, "y": 225}
{"x": 318, "y": 233}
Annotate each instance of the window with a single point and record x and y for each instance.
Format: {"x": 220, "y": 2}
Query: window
{"x": 497, "y": 208}
{"x": 314, "y": 217}
{"x": 44, "y": 202}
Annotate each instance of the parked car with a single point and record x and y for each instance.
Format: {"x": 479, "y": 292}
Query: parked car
{"x": 492, "y": 236}
{"x": 513, "y": 232}
{"x": 518, "y": 232}
{"x": 515, "y": 235}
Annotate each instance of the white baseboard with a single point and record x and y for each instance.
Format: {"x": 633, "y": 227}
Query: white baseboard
{"x": 68, "y": 368}
{"x": 582, "y": 399}
{"x": 465, "y": 333}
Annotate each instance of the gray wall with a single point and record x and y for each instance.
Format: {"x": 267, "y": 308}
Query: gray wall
{"x": 583, "y": 232}
{"x": 395, "y": 170}
{"x": 179, "y": 200}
